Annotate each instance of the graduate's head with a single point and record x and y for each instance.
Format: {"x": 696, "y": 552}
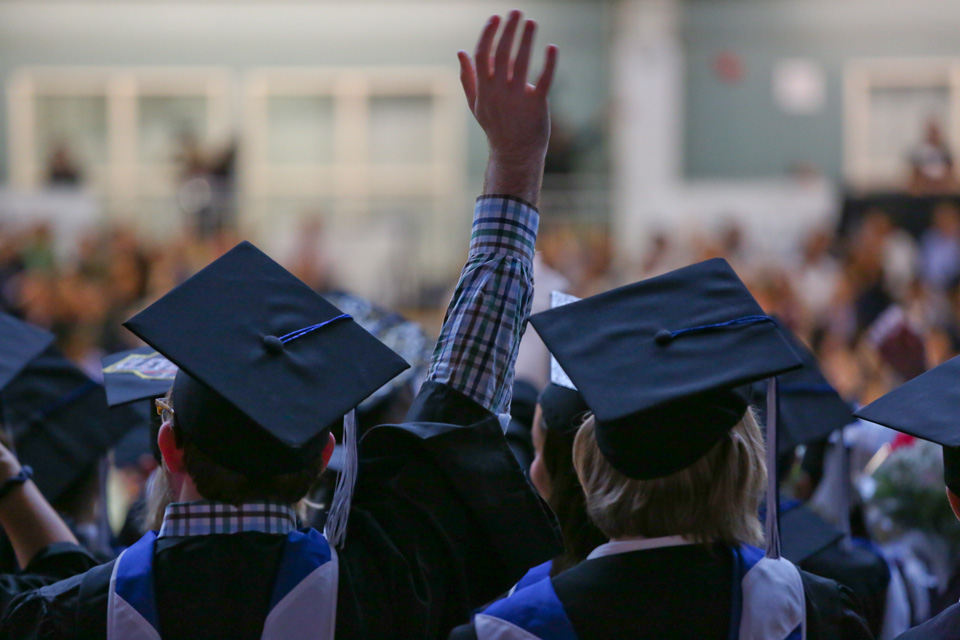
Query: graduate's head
{"x": 266, "y": 366}
{"x": 558, "y": 414}
{"x": 713, "y": 499}
{"x": 249, "y": 465}
{"x": 926, "y": 407}
{"x": 951, "y": 477}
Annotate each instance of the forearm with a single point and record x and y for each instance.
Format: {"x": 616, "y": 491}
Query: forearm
{"x": 478, "y": 342}
{"x": 31, "y": 523}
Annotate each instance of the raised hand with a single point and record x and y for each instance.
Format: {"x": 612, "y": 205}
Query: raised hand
{"x": 514, "y": 114}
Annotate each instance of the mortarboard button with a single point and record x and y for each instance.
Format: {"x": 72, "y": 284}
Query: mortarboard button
{"x": 273, "y": 344}
{"x": 663, "y": 337}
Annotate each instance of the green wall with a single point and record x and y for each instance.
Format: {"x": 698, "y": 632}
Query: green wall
{"x": 737, "y": 131}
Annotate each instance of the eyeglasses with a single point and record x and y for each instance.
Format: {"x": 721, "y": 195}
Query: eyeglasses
{"x": 164, "y": 410}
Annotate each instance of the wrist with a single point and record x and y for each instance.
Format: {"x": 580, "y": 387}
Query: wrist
{"x": 15, "y": 482}
{"x": 9, "y": 468}
{"x": 518, "y": 175}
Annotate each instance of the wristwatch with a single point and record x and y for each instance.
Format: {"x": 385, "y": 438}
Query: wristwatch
{"x": 26, "y": 472}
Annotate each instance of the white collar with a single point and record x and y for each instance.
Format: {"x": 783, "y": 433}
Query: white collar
{"x": 637, "y": 544}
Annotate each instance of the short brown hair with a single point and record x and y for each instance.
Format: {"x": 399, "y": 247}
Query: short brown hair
{"x": 714, "y": 499}
{"x": 215, "y": 482}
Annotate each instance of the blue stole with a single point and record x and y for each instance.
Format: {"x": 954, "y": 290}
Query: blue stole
{"x": 306, "y": 576}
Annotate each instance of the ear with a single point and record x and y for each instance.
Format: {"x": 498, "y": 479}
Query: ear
{"x": 172, "y": 454}
{"x": 954, "y": 502}
{"x": 328, "y": 450}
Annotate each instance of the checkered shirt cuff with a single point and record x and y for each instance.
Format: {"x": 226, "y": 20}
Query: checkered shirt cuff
{"x": 207, "y": 517}
{"x": 504, "y": 225}
{"x": 478, "y": 343}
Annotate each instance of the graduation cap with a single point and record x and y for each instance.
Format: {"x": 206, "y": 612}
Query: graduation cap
{"x": 810, "y": 408}
{"x": 19, "y": 344}
{"x": 804, "y": 534}
{"x": 266, "y": 364}
{"x": 561, "y": 405}
{"x": 662, "y": 363}
{"x": 59, "y": 421}
{"x": 138, "y": 376}
{"x": 403, "y": 336}
{"x": 926, "y": 408}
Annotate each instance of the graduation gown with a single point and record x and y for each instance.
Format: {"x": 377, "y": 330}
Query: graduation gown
{"x": 56, "y": 562}
{"x": 945, "y": 626}
{"x": 676, "y": 592}
{"x": 861, "y": 569}
{"x": 442, "y": 520}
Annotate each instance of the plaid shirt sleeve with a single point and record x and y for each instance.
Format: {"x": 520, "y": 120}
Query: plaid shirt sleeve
{"x": 481, "y": 331}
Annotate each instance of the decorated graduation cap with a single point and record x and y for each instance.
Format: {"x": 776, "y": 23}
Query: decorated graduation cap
{"x": 662, "y": 363}
{"x": 20, "y": 343}
{"x": 926, "y": 408}
{"x": 59, "y": 421}
{"x": 561, "y": 405}
{"x": 266, "y": 365}
{"x": 138, "y": 376}
{"x": 810, "y": 408}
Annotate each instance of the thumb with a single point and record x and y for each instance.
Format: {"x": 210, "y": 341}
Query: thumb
{"x": 468, "y": 78}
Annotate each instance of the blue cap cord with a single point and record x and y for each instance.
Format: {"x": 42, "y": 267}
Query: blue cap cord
{"x": 274, "y": 345}
{"x": 664, "y": 336}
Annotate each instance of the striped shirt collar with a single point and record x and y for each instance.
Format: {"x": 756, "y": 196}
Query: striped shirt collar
{"x": 207, "y": 517}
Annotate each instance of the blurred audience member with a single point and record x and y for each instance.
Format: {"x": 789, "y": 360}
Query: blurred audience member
{"x": 931, "y": 162}
{"x": 62, "y": 167}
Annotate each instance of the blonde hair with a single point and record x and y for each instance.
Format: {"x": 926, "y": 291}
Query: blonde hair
{"x": 714, "y": 499}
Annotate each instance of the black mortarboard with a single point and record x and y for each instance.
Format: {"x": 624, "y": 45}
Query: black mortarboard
{"x": 810, "y": 408}
{"x": 266, "y": 364}
{"x": 403, "y": 336}
{"x": 60, "y": 422}
{"x": 561, "y": 405}
{"x": 661, "y": 363}
{"x": 562, "y": 409}
{"x": 19, "y": 344}
{"x": 926, "y": 407}
{"x": 803, "y": 533}
{"x": 137, "y": 374}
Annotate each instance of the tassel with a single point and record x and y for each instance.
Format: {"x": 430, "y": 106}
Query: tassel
{"x": 773, "y": 489}
{"x": 336, "y": 527}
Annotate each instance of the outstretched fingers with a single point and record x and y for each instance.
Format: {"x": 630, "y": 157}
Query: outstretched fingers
{"x": 481, "y": 56}
{"x": 546, "y": 76}
{"x": 522, "y": 64}
{"x": 505, "y": 46}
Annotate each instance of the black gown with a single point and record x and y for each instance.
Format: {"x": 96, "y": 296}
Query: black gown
{"x": 945, "y": 626}
{"x": 860, "y": 569}
{"x": 56, "y": 562}
{"x": 679, "y": 593}
{"x": 442, "y": 520}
